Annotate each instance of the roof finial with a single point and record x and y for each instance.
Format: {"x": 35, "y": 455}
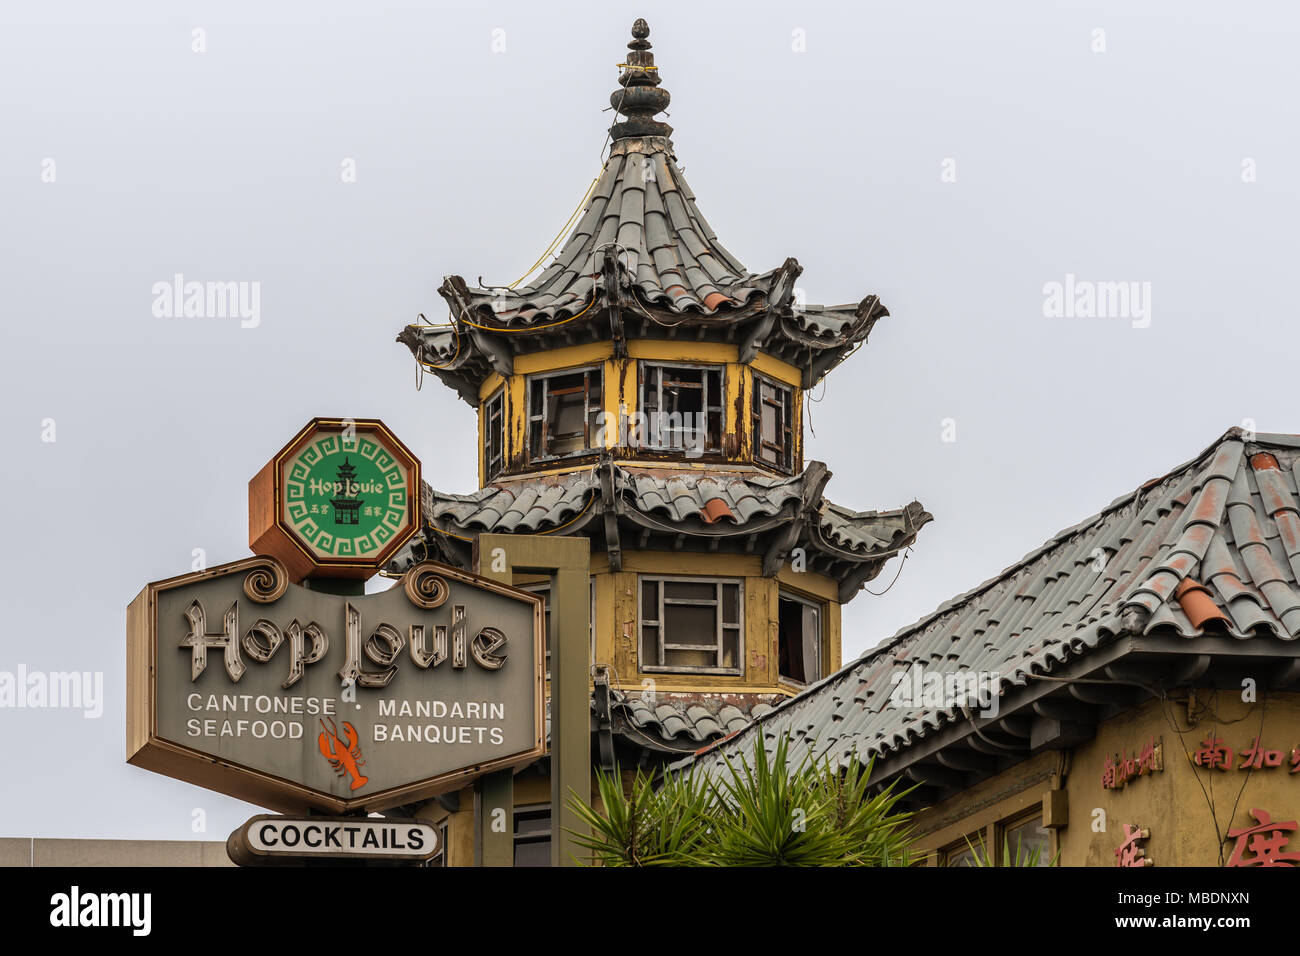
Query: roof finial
{"x": 639, "y": 99}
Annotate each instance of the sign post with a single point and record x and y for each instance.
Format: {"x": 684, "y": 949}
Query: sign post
{"x": 568, "y": 562}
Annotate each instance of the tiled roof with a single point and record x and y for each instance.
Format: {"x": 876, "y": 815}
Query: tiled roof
{"x": 684, "y": 722}
{"x": 700, "y": 503}
{"x": 642, "y": 250}
{"x": 1211, "y": 548}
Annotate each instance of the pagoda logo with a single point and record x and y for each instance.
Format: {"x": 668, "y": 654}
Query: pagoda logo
{"x": 346, "y": 506}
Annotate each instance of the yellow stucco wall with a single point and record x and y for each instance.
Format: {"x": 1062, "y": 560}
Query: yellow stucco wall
{"x": 1187, "y": 809}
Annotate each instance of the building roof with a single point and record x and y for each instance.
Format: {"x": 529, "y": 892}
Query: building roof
{"x": 642, "y": 252}
{"x": 1210, "y": 550}
{"x": 708, "y": 509}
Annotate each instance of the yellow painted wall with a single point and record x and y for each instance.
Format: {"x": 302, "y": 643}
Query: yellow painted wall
{"x": 617, "y": 622}
{"x": 1188, "y": 809}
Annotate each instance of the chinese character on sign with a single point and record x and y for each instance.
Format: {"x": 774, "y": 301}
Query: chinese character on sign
{"x": 1213, "y": 754}
{"x": 1128, "y": 852}
{"x": 1266, "y": 840}
{"x": 1121, "y": 768}
{"x": 1295, "y": 759}
{"x": 1256, "y": 757}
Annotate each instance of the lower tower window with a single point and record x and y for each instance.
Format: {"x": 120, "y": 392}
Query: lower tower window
{"x": 691, "y": 625}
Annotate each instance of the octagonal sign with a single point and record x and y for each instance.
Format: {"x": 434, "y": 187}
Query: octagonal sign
{"x": 337, "y": 501}
{"x": 247, "y": 684}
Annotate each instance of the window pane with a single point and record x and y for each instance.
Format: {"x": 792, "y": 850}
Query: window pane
{"x": 731, "y": 603}
{"x": 690, "y": 658}
{"x": 650, "y": 646}
{"x": 533, "y": 854}
{"x": 768, "y": 419}
{"x": 690, "y": 624}
{"x": 649, "y": 600}
{"x": 1024, "y": 839}
{"x": 731, "y": 648}
{"x": 690, "y": 591}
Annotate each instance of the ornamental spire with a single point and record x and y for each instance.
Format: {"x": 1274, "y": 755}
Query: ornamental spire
{"x": 639, "y": 99}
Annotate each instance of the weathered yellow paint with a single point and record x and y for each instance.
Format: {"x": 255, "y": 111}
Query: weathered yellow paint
{"x": 490, "y": 385}
{"x": 682, "y": 350}
{"x": 571, "y": 356}
{"x": 775, "y": 368}
{"x": 1174, "y": 804}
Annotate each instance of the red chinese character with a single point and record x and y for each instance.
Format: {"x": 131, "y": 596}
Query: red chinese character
{"x": 1295, "y": 759}
{"x": 1147, "y": 758}
{"x": 1128, "y": 852}
{"x": 1267, "y": 850}
{"x": 1255, "y": 757}
{"x": 1213, "y": 754}
{"x": 1109, "y": 779}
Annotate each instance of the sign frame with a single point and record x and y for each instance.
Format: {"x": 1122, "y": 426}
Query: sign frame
{"x": 271, "y": 533}
{"x": 267, "y": 576}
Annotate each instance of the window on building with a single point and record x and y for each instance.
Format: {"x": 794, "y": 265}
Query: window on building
{"x": 799, "y": 637}
{"x": 563, "y": 413}
{"x": 773, "y": 424}
{"x": 963, "y": 852}
{"x": 691, "y": 624}
{"x": 682, "y": 406}
{"x": 533, "y": 835}
{"x": 1027, "y": 840}
{"x": 494, "y": 430}
{"x": 544, "y": 588}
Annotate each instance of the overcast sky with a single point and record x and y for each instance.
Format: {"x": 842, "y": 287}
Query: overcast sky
{"x": 954, "y": 158}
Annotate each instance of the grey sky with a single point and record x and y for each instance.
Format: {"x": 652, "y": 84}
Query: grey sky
{"x": 1123, "y": 165}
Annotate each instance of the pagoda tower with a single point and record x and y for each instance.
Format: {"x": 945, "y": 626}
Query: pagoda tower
{"x": 646, "y": 391}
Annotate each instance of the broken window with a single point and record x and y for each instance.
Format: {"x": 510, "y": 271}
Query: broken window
{"x": 682, "y": 408}
{"x": 563, "y": 413}
{"x": 691, "y": 624}
{"x": 494, "y": 427}
{"x": 799, "y": 637}
{"x": 773, "y": 424}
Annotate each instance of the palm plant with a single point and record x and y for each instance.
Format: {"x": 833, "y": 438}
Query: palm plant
{"x": 762, "y": 814}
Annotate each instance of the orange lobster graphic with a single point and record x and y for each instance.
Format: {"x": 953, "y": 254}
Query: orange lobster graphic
{"x": 343, "y": 757}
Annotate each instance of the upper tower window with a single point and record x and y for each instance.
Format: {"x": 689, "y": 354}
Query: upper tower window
{"x": 564, "y": 411}
{"x": 494, "y": 434}
{"x": 682, "y": 408}
{"x": 773, "y": 424}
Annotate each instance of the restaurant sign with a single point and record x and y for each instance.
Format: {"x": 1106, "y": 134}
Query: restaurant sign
{"x": 267, "y": 839}
{"x": 247, "y": 684}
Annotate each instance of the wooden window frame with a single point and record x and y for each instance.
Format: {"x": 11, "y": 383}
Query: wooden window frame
{"x": 785, "y": 425}
{"x": 786, "y": 594}
{"x": 536, "y": 454}
{"x": 647, "y": 368}
{"x": 498, "y": 399}
{"x": 720, "y": 628}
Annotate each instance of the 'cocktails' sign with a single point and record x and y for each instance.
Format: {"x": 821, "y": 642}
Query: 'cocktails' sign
{"x": 290, "y": 698}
